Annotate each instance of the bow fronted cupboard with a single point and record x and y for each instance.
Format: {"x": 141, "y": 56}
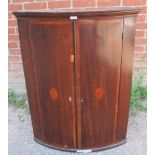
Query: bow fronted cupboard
{"x": 78, "y": 71}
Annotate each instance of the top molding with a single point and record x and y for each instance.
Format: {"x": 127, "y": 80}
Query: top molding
{"x": 113, "y": 11}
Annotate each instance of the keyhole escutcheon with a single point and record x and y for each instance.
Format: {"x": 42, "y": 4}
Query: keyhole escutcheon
{"x": 70, "y": 99}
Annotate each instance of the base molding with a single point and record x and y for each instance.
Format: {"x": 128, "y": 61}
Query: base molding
{"x": 81, "y": 150}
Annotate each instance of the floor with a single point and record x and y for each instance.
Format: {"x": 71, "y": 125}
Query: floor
{"x": 21, "y": 137}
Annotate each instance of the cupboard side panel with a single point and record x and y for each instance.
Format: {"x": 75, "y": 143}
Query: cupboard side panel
{"x": 29, "y": 79}
{"x": 126, "y": 77}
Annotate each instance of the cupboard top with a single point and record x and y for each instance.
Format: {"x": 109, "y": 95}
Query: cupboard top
{"x": 119, "y": 11}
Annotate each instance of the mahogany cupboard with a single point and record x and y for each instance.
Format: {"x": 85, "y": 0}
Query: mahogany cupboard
{"x": 78, "y": 70}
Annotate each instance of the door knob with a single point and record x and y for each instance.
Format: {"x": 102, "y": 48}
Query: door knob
{"x": 72, "y": 58}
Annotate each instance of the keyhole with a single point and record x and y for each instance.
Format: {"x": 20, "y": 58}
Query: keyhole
{"x": 82, "y": 99}
{"x": 70, "y": 99}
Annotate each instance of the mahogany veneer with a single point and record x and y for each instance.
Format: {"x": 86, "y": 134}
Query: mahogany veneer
{"x": 78, "y": 71}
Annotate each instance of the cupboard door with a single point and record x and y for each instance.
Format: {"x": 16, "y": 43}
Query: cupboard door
{"x": 98, "y": 60}
{"x": 51, "y": 45}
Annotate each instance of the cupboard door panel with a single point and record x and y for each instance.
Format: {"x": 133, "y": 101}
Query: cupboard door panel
{"x": 98, "y": 60}
{"x": 51, "y": 45}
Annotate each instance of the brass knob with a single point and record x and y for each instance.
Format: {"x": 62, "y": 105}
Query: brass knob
{"x": 72, "y": 58}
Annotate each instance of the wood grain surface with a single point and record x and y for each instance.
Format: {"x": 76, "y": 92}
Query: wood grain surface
{"x": 99, "y": 44}
{"x": 78, "y": 75}
{"x": 51, "y": 45}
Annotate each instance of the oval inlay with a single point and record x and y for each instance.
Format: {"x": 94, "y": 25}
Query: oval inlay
{"x": 53, "y": 93}
{"x": 98, "y": 93}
